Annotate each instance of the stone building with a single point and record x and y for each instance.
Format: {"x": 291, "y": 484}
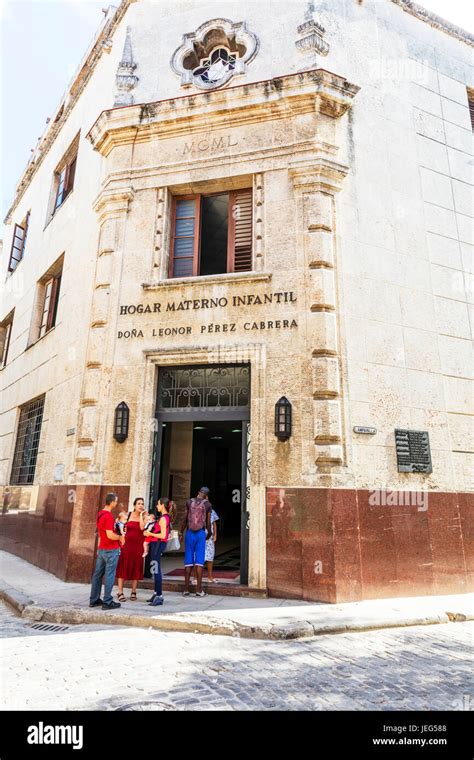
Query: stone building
{"x": 239, "y": 256}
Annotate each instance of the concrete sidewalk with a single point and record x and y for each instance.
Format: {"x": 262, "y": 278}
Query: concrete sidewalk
{"x": 40, "y": 596}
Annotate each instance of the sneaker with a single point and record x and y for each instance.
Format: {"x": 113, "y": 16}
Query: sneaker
{"x": 185, "y": 593}
{"x": 151, "y": 599}
{"x": 200, "y": 593}
{"x": 156, "y": 602}
{"x": 111, "y": 606}
{"x": 98, "y": 603}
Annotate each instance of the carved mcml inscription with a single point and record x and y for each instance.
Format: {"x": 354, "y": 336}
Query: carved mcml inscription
{"x": 209, "y": 145}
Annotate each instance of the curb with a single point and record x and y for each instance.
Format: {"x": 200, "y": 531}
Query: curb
{"x": 209, "y": 625}
{"x": 16, "y": 599}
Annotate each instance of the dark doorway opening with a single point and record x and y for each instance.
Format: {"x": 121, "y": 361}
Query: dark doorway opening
{"x": 201, "y": 438}
{"x": 217, "y": 464}
{"x": 207, "y": 453}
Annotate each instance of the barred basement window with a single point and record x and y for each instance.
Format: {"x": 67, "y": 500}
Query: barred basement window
{"x": 5, "y": 333}
{"x": 27, "y": 442}
{"x": 211, "y": 234}
{"x": 18, "y": 243}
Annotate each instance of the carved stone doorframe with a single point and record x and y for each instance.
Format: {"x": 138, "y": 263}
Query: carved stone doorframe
{"x": 255, "y": 356}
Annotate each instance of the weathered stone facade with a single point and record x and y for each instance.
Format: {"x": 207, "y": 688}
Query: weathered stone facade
{"x": 356, "y": 307}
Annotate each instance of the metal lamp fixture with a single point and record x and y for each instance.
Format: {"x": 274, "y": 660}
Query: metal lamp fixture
{"x": 121, "y": 419}
{"x": 283, "y": 419}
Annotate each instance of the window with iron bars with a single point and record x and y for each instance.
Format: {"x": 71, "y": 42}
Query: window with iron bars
{"x": 27, "y": 442}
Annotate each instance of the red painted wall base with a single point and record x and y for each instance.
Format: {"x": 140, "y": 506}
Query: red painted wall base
{"x": 337, "y": 545}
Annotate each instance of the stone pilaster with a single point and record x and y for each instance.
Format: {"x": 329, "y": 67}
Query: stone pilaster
{"x": 317, "y": 183}
{"x": 111, "y": 207}
{"x": 161, "y": 235}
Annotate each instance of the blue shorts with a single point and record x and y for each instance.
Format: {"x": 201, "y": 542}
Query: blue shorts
{"x": 194, "y": 548}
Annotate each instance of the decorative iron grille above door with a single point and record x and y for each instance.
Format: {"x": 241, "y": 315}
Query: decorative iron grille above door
{"x": 219, "y": 389}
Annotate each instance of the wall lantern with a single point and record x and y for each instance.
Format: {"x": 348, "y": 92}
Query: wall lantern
{"x": 122, "y": 414}
{"x": 283, "y": 419}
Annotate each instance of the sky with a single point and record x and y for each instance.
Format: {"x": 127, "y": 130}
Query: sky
{"x": 43, "y": 42}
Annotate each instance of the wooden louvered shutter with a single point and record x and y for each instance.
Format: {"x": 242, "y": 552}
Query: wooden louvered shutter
{"x": 53, "y": 308}
{"x": 470, "y": 100}
{"x": 71, "y": 173}
{"x": 18, "y": 243}
{"x": 240, "y": 231}
{"x": 184, "y": 253}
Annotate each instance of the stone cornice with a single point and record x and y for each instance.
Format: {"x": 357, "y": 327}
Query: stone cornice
{"x": 215, "y": 279}
{"x": 75, "y": 90}
{"x": 270, "y": 99}
{"x": 437, "y": 22}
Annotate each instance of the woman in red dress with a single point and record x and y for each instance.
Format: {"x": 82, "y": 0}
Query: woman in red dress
{"x": 130, "y": 564}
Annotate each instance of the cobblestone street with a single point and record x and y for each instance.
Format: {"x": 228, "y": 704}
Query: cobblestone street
{"x": 108, "y": 668}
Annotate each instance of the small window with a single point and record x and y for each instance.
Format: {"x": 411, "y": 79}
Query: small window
{"x": 45, "y": 309}
{"x": 50, "y": 301}
{"x": 27, "y": 442}
{"x": 63, "y": 180}
{"x": 212, "y": 234}
{"x": 5, "y": 334}
{"x": 18, "y": 243}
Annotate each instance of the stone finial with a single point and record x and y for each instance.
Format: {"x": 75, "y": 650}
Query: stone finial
{"x": 312, "y": 36}
{"x": 126, "y": 79}
{"x": 308, "y": 16}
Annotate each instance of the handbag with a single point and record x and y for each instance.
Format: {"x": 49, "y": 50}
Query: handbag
{"x": 173, "y": 544}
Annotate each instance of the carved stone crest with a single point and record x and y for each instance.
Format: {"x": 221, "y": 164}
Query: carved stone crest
{"x": 218, "y": 50}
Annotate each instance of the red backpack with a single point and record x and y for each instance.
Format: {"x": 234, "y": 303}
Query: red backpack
{"x": 197, "y": 514}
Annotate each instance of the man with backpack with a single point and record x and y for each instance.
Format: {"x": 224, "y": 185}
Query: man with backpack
{"x": 197, "y": 524}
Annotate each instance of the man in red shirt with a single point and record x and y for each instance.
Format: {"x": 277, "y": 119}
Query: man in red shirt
{"x": 108, "y": 554}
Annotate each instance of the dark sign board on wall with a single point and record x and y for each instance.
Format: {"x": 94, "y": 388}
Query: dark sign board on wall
{"x": 413, "y": 451}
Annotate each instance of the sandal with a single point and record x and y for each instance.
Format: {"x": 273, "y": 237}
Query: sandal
{"x": 133, "y": 596}
{"x": 121, "y": 598}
